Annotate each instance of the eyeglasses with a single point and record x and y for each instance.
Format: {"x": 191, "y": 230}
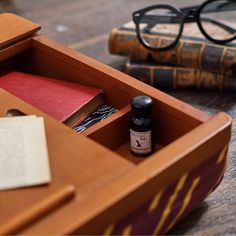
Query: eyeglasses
{"x": 216, "y": 20}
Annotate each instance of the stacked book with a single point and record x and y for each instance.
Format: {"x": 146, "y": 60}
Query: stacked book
{"x": 193, "y": 63}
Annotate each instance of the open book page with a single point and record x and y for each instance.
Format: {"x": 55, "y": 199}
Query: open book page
{"x": 23, "y": 152}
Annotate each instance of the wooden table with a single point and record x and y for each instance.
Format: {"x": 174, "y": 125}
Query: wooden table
{"x": 84, "y": 26}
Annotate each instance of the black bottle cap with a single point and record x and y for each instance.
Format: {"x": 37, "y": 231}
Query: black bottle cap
{"x": 142, "y": 105}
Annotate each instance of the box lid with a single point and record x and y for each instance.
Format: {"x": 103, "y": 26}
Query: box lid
{"x": 14, "y": 28}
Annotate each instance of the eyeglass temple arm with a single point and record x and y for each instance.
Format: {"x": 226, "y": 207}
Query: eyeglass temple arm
{"x": 227, "y": 6}
{"x": 222, "y": 7}
{"x": 223, "y": 26}
{"x": 152, "y": 20}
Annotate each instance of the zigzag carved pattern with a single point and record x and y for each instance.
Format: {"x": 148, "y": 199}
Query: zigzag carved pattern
{"x": 170, "y": 205}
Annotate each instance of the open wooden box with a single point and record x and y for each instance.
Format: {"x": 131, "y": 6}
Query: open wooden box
{"x": 97, "y": 185}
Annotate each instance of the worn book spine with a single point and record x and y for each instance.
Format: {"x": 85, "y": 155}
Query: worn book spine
{"x": 172, "y": 77}
{"x": 191, "y": 53}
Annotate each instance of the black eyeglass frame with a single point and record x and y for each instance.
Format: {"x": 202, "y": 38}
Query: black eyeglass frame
{"x": 188, "y": 14}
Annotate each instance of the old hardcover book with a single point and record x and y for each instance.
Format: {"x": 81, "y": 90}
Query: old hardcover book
{"x": 23, "y": 153}
{"x": 192, "y": 52}
{"x": 173, "y": 77}
{"x": 65, "y": 101}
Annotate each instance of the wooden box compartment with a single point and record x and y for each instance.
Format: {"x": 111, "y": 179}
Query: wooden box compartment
{"x": 43, "y": 57}
{"x": 115, "y": 136}
{"x": 107, "y": 189}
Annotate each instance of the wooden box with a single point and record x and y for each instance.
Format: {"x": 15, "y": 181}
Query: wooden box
{"x": 97, "y": 186}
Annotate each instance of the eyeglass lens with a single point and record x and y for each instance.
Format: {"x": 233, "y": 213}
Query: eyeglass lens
{"x": 161, "y": 22}
{"x": 218, "y": 19}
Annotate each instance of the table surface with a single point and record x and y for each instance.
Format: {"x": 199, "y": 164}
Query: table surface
{"x": 84, "y": 25}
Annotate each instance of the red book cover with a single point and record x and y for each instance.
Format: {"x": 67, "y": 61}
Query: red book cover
{"x": 60, "y": 99}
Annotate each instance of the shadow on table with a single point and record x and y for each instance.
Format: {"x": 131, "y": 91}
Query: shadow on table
{"x": 190, "y": 221}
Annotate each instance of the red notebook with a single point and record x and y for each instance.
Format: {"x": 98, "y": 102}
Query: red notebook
{"x": 65, "y": 101}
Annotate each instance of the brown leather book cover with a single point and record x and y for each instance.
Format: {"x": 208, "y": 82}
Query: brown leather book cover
{"x": 174, "y": 77}
{"x": 192, "y": 52}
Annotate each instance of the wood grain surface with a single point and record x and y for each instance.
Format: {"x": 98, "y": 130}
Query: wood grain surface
{"x": 84, "y": 25}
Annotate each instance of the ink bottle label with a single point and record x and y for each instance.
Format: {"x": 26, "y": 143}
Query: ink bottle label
{"x": 140, "y": 142}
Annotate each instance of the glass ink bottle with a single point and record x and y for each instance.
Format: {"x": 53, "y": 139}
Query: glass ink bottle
{"x": 141, "y": 126}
